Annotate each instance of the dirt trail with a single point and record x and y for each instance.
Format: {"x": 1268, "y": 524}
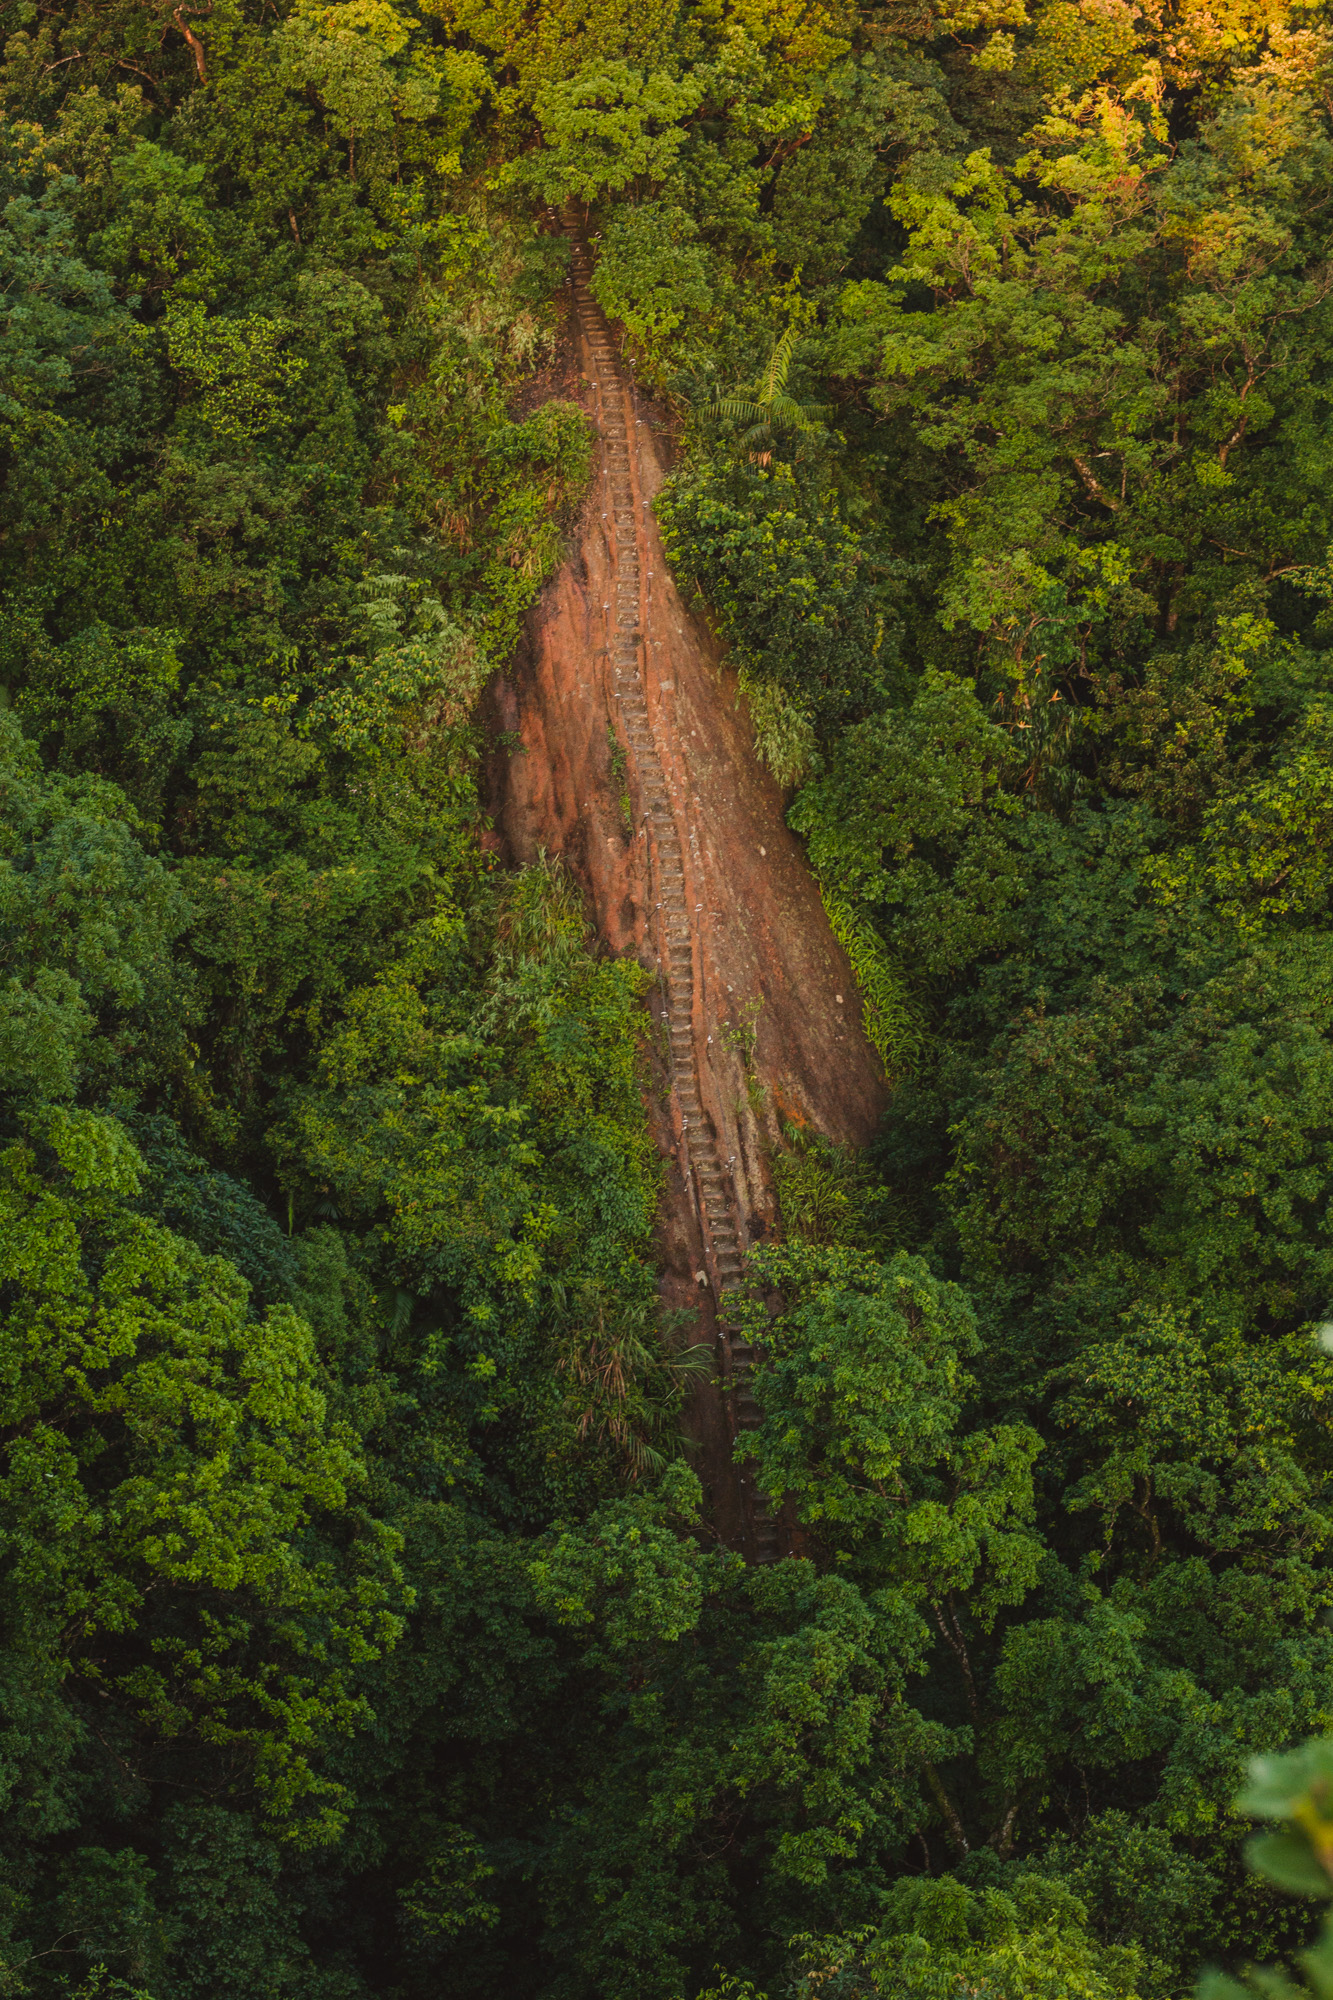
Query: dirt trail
{"x": 620, "y": 691}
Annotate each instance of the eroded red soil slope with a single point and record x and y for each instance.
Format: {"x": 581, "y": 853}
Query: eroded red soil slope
{"x": 702, "y": 881}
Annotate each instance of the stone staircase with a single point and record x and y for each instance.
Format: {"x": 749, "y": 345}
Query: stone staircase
{"x": 629, "y": 612}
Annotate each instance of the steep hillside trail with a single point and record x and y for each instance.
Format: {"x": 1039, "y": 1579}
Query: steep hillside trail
{"x": 619, "y": 691}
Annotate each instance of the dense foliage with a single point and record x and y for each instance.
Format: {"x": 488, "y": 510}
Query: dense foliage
{"x": 360, "y": 1635}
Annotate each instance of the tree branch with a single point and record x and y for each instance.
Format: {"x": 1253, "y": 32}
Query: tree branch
{"x": 1093, "y": 484}
{"x": 1002, "y": 1840}
{"x": 945, "y": 1804}
{"x": 954, "y": 1641}
{"x": 196, "y": 46}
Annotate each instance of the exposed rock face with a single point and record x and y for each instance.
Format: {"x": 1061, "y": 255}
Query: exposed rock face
{"x": 702, "y": 881}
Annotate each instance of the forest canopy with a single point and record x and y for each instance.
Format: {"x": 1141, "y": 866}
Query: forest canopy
{"x": 363, "y": 1634}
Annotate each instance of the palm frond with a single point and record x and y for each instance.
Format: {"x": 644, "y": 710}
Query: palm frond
{"x": 779, "y": 364}
{"x": 767, "y": 407}
{"x": 737, "y": 407}
{"x": 793, "y": 416}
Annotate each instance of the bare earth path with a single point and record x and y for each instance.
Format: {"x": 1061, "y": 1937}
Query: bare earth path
{"x": 758, "y": 1012}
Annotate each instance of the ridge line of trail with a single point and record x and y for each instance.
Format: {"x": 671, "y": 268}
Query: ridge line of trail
{"x": 628, "y": 615}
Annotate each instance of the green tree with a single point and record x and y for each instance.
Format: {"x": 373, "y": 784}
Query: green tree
{"x": 610, "y": 125}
